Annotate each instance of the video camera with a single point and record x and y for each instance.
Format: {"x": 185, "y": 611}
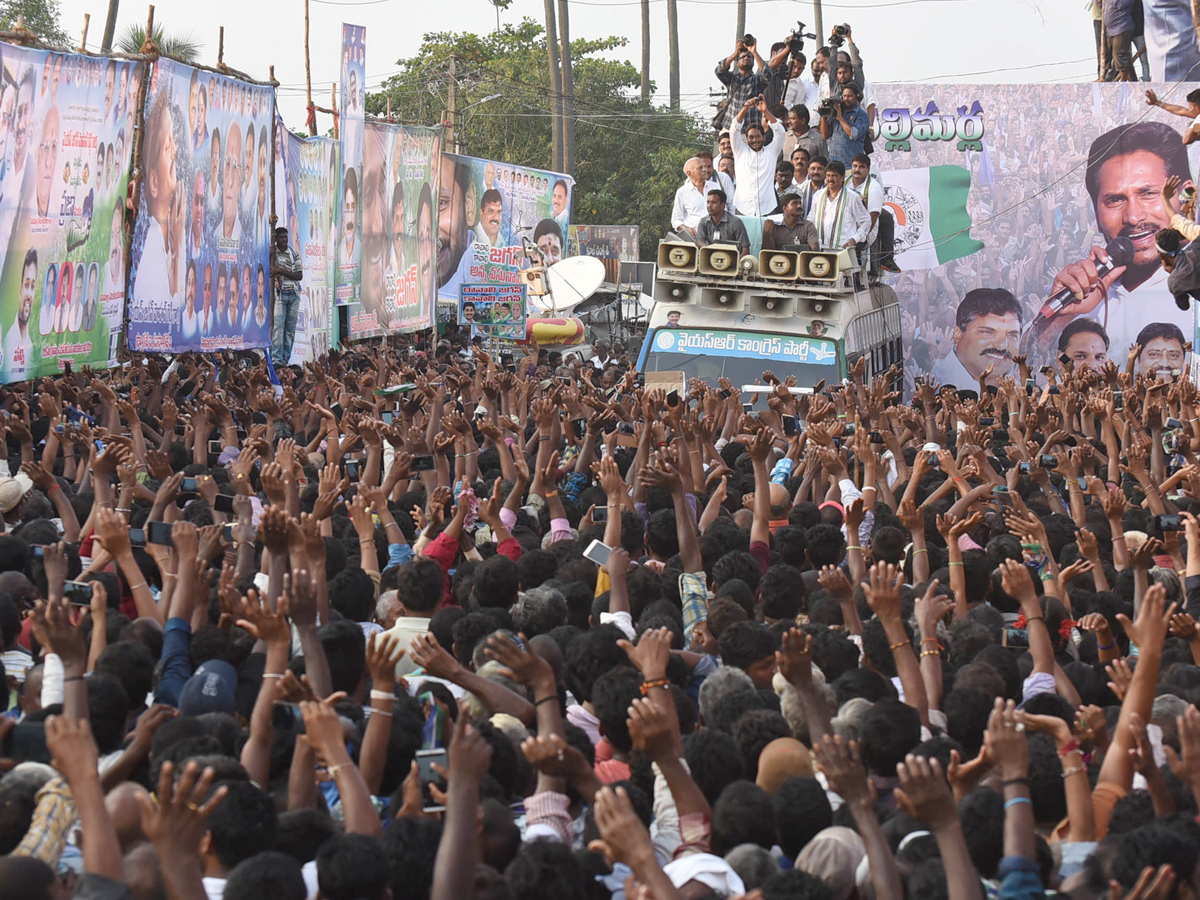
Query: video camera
{"x": 828, "y": 107}
{"x": 795, "y": 40}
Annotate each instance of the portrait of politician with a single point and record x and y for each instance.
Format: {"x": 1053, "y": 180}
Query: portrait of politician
{"x": 1126, "y": 170}
{"x": 987, "y": 332}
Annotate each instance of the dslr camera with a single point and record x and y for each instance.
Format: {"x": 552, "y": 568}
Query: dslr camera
{"x": 839, "y": 35}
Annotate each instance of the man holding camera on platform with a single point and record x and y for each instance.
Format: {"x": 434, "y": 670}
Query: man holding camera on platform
{"x": 744, "y": 84}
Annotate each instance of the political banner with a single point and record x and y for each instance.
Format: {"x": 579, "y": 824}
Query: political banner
{"x": 66, "y": 122}
{"x": 400, "y": 171}
{"x": 493, "y": 310}
{"x": 611, "y": 244}
{"x": 350, "y": 135}
{"x": 1003, "y": 196}
{"x": 487, "y": 210}
{"x": 306, "y": 179}
{"x": 201, "y": 245}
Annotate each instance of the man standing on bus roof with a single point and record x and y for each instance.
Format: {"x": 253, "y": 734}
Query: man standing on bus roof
{"x": 721, "y": 228}
{"x": 839, "y": 215}
{"x": 987, "y": 333}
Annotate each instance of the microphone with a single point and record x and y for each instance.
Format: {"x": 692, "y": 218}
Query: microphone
{"x": 1120, "y": 252}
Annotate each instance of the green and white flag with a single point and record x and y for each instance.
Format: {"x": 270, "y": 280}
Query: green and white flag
{"x": 929, "y": 206}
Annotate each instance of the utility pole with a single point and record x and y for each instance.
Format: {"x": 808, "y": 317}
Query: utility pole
{"x": 741, "y": 19}
{"x": 673, "y": 52}
{"x": 819, "y": 26}
{"x": 452, "y": 135}
{"x": 556, "y": 88}
{"x": 568, "y": 84}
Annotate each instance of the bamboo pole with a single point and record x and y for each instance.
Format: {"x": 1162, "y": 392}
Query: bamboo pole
{"x": 221, "y": 49}
{"x": 87, "y": 18}
{"x": 148, "y": 46}
{"x": 271, "y": 171}
{"x": 312, "y": 116}
{"x": 336, "y": 118}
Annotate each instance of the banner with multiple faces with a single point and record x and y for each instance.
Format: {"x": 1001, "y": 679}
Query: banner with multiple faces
{"x": 350, "y": 134}
{"x": 66, "y": 139}
{"x": 306, "y": 178}
{"x": 400, "y": 172}
{"x": 200, "y": 256}
{"x": 495, "y": 219}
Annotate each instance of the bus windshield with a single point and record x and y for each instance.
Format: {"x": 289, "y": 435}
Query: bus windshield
{"x": 740, "y": 356}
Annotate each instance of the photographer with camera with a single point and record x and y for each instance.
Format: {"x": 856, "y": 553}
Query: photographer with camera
{"x": 846, "y": 68}
{"x": 844, "y": 125}
{"x": 743, "y": 84}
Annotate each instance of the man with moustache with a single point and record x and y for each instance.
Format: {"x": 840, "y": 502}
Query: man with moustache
{"x": 206, "y": 313}
{"x": 260, "y": 220}
{"x": 1086, "y": 343}
{"x": 190, "y": 326}
{"x": 987, "y": 333}
{"x": 691, "y": 199}
{"x": 1127, "y": 168}
{"x": 491, "y": 209}
{"x": 20, "y": 179}
{"x": 1161, "y": 351}
{"x": 558, "y": 202}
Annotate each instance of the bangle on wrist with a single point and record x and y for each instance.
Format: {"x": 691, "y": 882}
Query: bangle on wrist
{"x": 898, "y": 645}
{"x": 1075, "y": 770}
{"x": 1013, "y": 801}
{"x": 383, "y": 695}
{"x": 537, "y": 703}
{"x": 1024, "y": 781}
{"x": 1112, "y": 646}
{"x": 1071, "y": 747}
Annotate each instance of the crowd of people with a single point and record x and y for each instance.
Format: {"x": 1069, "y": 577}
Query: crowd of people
{"x": 428, "y": 623}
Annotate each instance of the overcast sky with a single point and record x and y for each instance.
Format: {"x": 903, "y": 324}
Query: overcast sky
{"x": 978, "y": 41}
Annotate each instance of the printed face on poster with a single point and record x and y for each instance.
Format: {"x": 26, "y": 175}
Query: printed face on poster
{"x": 201, "y": 246}
{"x": 306, "y": 181}
{"x": 611, "y": 244}
{"x": 486, "y": 210}
{"x": 350, "y": 134}
{"x": 66, "y": 122}
{"x": 398, "y": 239}
{"x": 998, "y": 206}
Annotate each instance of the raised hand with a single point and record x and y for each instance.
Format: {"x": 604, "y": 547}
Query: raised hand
{"x": 924, "y": 794}
{"x": 174, "y": 818}
{"x": 842, "y": 765}
{"x": 883, "y": 589}
{"x": 794, "y": 658}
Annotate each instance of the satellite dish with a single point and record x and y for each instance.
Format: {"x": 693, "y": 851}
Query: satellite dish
{"x": 572, "y": 281}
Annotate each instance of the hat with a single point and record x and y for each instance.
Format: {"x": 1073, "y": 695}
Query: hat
{"x": 711, "y": 871}
{"x": 211, "y": 689}
{"x": 833, "y": 856}
{"x": 13, "y": 491}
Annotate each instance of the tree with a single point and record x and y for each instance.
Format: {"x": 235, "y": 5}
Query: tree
{"x": 41, "y": 17}
{"x": 629, "y": 156}
{"x": 184, "y": 47}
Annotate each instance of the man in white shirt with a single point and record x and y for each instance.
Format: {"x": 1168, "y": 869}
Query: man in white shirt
{"x": 839, "y": 214}
{"x": 18, "y": 344}
{"x": 755, "y": 161}
{"x": 1123, "y": 166}
{"x": 689, "y": 206}
{"x": 987, "y": 332}
{"x": 867, "y": 186}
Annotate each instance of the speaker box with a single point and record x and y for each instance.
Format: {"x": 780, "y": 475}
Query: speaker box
{"x": 748, "y": 266}
{"x": 723, "y": 299}
{"x": 779, "y": 265}
{"x": 719, "y": 261}
{"x": 674, "y": 292}
{"x": 819, "y": 308}
{"x": 773, "y": 305}
{"x": 819, "y": 265}
{"x": 677, "y": 256}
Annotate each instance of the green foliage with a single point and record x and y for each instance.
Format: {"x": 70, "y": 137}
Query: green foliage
{"x": 183, "y": 47}
{"x": 41, "y": 17}
{"x": 629, "y": 155}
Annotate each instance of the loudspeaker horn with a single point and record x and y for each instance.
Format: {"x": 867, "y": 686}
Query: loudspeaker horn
{"x": 719, "y": 260}
{"x": 677, "y": 256}
{"x": 779, "y": 265}
{"x": 722, "y": 299}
